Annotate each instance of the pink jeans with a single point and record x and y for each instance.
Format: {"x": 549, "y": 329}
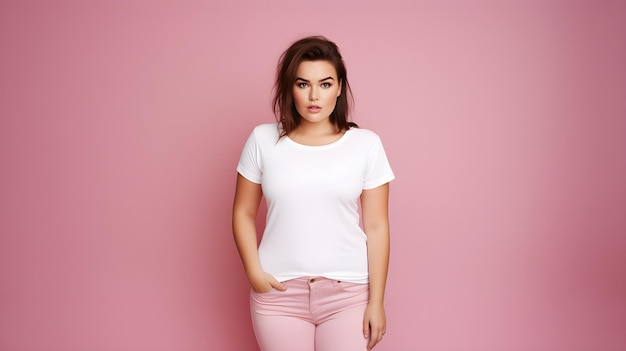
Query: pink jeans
{"x": 313, "y": 314}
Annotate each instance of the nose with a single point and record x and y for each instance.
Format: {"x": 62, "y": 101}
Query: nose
{"x": 313, "y": 95}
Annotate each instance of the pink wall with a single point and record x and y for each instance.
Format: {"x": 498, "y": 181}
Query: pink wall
{"x": 121, "y": 123}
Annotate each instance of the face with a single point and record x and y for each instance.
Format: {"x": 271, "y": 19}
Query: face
{"x": 316, "y": 90}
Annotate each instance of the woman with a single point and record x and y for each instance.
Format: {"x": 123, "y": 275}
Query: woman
{"x": 317, "y": 278}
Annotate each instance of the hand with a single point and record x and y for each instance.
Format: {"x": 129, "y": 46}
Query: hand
{"x": 374, "y": 324}
{"x": 263, "y": 282}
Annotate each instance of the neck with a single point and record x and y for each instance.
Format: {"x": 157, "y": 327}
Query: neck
{"x": 316, "y": 129}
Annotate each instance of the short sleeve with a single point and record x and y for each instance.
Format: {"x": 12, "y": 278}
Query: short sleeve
{"x": 250, "y": 161}
{"x": 378, "y": 170}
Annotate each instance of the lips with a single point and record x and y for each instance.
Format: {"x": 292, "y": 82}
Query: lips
{"x": 314, "y": 108}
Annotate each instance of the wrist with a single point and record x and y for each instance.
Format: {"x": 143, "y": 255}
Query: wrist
{"x": 254, "y": 273}
{"x": 376, "y": 301}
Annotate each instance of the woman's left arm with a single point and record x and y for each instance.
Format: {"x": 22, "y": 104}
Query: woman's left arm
{"x": 374, "y": 207}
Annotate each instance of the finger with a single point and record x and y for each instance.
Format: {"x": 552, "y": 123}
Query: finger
{"x": 372, "y": 342}
{"x": 380, "y": 337}
{"x": 278, "y": 285}
{"x": 375, "y": 338}
{"x": 366, "y": 328}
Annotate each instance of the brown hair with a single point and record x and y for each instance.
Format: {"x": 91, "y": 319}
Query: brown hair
{"x": 315, "y": 48}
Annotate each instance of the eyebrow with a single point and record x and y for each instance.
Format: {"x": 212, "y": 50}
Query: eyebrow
{"x": 321, "y": 80}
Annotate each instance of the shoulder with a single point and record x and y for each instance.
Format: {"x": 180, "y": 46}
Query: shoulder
{"x": 364, "y": 135}
{"x": 267, "y": 129}
{"x": 264, "y": 133}
{"x": 363, "y": 132}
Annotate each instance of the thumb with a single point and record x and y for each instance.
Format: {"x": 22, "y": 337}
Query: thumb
{"x": 278, "y": 285}
{"x": 366, "y": 328}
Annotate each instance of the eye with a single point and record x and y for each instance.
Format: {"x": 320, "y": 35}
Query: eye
{"x": 302, "y": 85}
{"x": 326, "y": 85}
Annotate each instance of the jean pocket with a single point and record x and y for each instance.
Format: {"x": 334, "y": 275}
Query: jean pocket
{"x": 354, "y": 287}
{"x": 265, "y": 296}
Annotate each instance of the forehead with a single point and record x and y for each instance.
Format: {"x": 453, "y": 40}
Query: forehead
{"x": 316, "y": 70}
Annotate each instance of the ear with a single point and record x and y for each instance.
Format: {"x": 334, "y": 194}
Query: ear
{"x": 340, "y": 86}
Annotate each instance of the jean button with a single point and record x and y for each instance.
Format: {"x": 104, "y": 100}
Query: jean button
{"x": 312, "y": 280}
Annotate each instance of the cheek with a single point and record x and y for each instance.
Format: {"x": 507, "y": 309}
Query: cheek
{"x": 332, "y": 96}
{"x": 299, "y": 98}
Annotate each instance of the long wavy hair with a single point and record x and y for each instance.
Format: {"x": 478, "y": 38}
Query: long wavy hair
{"x": 314, "y": 48}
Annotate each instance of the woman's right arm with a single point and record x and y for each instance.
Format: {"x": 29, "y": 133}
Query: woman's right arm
{"x": 245, "y": 207}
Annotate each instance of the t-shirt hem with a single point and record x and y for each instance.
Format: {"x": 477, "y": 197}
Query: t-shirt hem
{"x": 339, "y": 277}
{"x": 378, "y": 182}
{"x": 248, "y": 175}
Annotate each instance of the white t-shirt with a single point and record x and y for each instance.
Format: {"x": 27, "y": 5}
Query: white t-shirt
{"x": 312, "y": 192}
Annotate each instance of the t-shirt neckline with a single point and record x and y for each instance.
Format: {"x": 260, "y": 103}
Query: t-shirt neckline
{"x": 320, "y": 147}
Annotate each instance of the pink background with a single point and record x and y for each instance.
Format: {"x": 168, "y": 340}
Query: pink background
{"x": 121, "y": 123}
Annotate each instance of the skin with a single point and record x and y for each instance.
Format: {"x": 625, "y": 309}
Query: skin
{"x": 317, "y": 85}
